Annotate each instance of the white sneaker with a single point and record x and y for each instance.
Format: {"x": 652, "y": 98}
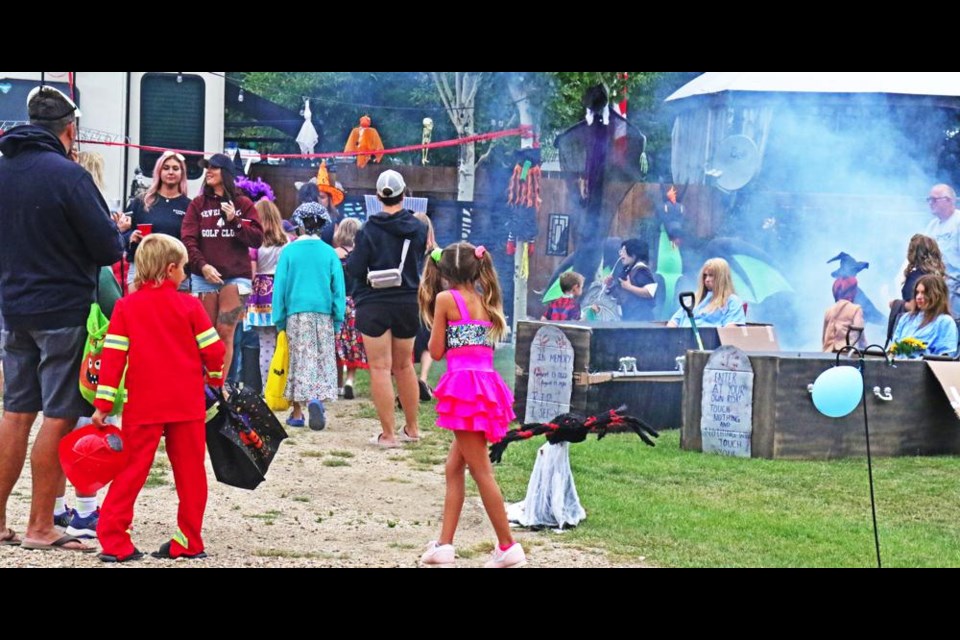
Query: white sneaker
{"x": 512, "y": 557}
{"x": 438, "y": 555}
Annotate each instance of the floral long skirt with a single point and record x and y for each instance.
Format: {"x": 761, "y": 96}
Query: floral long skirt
{"x": 312, "y": 373}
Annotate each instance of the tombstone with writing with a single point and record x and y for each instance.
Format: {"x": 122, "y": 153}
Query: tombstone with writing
{"x": 726, "y": 422}
{"x": 551, "y": 375}
{"x": 551, "y": 499}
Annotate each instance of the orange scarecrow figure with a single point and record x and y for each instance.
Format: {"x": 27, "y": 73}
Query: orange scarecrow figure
{"x": 364, "y": 138}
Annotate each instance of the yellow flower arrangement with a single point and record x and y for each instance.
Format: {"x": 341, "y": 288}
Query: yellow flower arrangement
{"x": 908, "y": 347}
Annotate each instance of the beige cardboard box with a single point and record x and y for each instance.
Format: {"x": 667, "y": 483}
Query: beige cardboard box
{"x": 750, "y": 337}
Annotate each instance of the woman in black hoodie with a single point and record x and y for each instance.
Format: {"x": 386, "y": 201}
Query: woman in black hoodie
{"x": 388, "y": 318}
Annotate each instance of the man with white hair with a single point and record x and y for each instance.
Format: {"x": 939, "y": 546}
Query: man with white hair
{"x": 945, "y": 229}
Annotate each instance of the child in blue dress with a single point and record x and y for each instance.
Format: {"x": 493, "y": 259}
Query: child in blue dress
{"x": 472, "y": 399}
{"x": 717, "y": 304}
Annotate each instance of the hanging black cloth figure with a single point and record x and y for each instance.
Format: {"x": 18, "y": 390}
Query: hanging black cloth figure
{"x": 602, "y": 148}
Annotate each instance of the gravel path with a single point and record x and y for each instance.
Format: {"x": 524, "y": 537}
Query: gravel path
{"x": 330, "y": 500}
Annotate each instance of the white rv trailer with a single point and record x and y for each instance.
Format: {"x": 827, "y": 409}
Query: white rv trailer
{"x": 178, "y": 110}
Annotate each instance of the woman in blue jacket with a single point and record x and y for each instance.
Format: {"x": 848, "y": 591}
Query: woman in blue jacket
{"x": 716, "y": 304}
{"x": 930, "y": 322}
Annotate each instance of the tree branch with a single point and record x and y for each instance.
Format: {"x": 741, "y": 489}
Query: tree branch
{"x": 493, "y": 143}
{"x": 444, "y": 89}
{"x": 473, "y": 89}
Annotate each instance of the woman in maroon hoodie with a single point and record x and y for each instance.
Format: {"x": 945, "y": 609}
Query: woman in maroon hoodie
{"x": 219, "y": 228}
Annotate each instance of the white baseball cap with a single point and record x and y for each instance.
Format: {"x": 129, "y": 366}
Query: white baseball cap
{"x": 390, "y": 184}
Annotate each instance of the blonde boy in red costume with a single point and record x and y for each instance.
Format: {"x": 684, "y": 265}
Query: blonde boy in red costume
{"x": 164, "y": 339}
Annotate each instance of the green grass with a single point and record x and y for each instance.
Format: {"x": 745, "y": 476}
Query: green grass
{"x": 158, "y": 474}
{"x": 687, "y": 509}
{"x": 268, "y": 517}
{"x": 335, "y": 462}
{"x": 285, "y": 553}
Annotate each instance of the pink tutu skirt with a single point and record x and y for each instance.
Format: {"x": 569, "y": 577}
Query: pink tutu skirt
{"x": 471, "y": 395}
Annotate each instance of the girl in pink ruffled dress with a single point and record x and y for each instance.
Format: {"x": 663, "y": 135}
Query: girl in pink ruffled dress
{"x": 472, "y": 399}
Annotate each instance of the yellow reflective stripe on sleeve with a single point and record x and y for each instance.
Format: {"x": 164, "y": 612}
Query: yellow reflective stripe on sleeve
{"x": 207, "y": 338}
{"x": 113, "y": 341}
{"x": 215, "y": 374}
{"x": 106, "y": 393}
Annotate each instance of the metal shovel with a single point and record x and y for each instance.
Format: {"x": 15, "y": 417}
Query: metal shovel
{"x": 687, "y": 300}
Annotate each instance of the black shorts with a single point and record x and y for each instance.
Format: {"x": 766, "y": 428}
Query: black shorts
{"x": 402, "y": 320}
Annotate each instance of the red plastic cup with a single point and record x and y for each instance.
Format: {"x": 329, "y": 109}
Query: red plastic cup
{"x": 145, "y": 229}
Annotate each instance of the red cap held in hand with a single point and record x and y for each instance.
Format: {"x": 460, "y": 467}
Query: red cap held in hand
{"x": 91, "y": 457}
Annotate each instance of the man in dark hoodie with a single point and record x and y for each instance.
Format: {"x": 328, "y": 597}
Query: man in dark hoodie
{"x": 55, "y": 233}
{"x": 389, "y": 317}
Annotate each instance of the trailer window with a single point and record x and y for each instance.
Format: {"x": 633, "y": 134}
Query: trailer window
{"x": 172, "y": 116}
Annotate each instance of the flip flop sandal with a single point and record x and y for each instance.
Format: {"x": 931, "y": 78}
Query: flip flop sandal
{"x": 377, "y": 441}
{"x": 60, "y": 544}
{"x": 10, "y": 539}
{"x": 403, "y": 437}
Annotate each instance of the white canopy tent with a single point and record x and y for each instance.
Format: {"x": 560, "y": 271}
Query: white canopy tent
{"x": 915, "y": 83}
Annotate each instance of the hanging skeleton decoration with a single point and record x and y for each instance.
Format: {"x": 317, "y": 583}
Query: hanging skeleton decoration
{"x": 427, "y": 134}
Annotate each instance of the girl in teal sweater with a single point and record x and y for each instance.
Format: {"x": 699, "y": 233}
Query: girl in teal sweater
{"x": 308, "y": 303}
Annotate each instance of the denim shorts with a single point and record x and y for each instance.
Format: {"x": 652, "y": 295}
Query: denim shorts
{"x": 41, "y": 372}
{"x": 199, "y": 284}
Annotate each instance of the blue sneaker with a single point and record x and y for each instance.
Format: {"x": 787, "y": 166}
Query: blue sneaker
{"x": 84, "y": 527}
{"x": 62, "y": 520}
{"x": 295, "y": 422}
{"x": 318, "y": 416}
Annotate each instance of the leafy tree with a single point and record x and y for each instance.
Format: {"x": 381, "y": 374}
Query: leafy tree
{"x": 398, "y": 101}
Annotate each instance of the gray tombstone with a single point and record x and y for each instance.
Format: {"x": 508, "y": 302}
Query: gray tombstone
{"x": 551, "y": 375}
{"x": 726, "y": 422}
{"x": 551, "y": 499}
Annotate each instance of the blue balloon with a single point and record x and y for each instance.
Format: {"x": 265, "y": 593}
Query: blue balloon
{"x": 837, "y": 391}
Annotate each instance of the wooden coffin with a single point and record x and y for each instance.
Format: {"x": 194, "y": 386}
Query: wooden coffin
{"x": 654, "y": 393}
{"x": 918, "y": 419}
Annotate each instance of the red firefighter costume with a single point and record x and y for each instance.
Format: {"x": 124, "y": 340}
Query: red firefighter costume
{"x": 164, "y": 339}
